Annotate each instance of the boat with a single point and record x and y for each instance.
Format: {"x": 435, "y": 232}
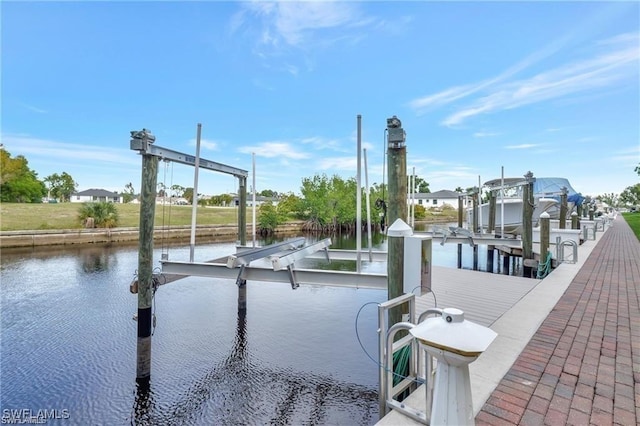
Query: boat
{"x": 546, "y": 195}
{"x": 551, "y": 187}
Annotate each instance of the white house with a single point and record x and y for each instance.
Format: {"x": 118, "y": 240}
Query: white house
{"x": 260, "y": 200}
{"x": 439, "y": 199}
{"x": 95, "y": 195}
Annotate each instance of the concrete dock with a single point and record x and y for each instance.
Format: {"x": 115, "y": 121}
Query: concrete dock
{"x": 568, "y": 348}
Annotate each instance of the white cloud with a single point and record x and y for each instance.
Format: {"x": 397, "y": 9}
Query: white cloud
{"x": 339, "y": 163}
{"x": 274, "y": 149}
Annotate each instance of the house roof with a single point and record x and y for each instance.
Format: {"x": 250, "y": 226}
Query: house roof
{"x": 439, "y": 194}
{"x": 96, "y": 193}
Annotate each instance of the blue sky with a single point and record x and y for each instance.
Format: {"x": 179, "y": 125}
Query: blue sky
{"x": 550, "y": 87}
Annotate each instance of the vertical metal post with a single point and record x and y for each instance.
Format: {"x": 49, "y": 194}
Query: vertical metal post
{"x": 397, "y": 154}
{"x": 242, "y": 210}
{"x": 145, "y": 254}
{"x": 527, "y": 223}
{"x": 460, "y": 214}
{"x": 368, "y": 201}
{"x": 359, "y": 196}
{"x": 194, "y": 201}
{"x": 253, "y": 193}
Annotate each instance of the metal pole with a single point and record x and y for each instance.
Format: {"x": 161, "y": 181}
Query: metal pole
{"x": 502, "y": 202}
{"x": 253, "y": 227}
{"x": 480, "y": 204}
{"x": 242, "y": 210}
{"x": 359, "y": 196}
{"x": 368, "y": 201}
{"x": 397, "y": 160}
{"x": 194, "y": 201}
{"x": 145, "y": 256}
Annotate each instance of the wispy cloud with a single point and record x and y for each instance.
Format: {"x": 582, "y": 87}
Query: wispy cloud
{"x": 54, "y": 151}
{"x": 485, "y": 134}
{"x": 615, "y": 61}
{"x": 208, "y": 144}
{"x": 275, "y": 149}
{"x": 523, "y": 146}
{"x": 33, "y": 108}
{"x": 278, "y": 27}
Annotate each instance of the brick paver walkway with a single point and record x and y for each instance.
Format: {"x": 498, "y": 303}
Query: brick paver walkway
{"x": 582, "y": 366}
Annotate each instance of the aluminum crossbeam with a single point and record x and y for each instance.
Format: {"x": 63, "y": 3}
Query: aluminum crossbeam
{"x": 245, "y": 257}
{"x": 280, "y": 262}
{"x": 190, "y": 160}
{"x": 303, "y": 276}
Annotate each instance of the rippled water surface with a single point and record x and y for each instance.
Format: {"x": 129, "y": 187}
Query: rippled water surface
{"x": 69, "y": 343}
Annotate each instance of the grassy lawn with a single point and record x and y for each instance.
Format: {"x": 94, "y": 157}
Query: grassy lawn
{"x": 633, "y": 219}
{"x": 24, "y": 216}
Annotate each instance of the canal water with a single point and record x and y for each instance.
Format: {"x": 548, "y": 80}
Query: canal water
{"x": 68, "y": 343}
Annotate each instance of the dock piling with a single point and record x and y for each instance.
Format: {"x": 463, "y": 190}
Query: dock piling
{"x": 397, "y": 158}
{"x": 527, "y": 223}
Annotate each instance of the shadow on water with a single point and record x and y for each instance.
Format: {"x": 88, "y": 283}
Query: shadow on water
{"x": 238, "y": 390}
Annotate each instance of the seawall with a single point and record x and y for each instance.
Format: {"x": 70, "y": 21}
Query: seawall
{"x": 36, "y": 238}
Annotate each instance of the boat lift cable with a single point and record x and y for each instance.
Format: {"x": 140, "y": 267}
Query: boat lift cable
{"x": 396, "y": 375}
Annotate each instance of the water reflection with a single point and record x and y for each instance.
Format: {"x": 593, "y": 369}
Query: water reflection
{"x": 96, "y": 259}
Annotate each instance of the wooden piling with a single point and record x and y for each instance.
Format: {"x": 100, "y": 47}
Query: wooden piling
{"x": 145, "y": 262}
{"x": 575, "y": 221}
{"x": 242, "y": 210}
{"x": 527, "y": 223}
{"x": 397, "y": 209}
{"x": 491, "y": 229}
{"x": 563, "y": 208}
{"x": 544, "y": 236}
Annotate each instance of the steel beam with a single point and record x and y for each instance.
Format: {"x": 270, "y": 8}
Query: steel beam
{"x": 247, "y": 256}
{"x": 190, "y": 160}
{"x": 280, "y": 262}
{"x": 303, "y": 276}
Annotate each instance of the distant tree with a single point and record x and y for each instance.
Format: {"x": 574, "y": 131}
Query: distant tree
{"x": 162, "y": 189}
{"x": 269, "y": 218}
{"x": 98, "y": 215}
{"x": 611, "y": 199}
{"x": 180, "y": 191}
{"x": 18, "y": 183}
{"x": 637, "y": 169}
{"x": 186, "y": 193}
{"x": 291, "y": 205}
{"x": 459, "y": 189}
{"x": 268, "y": 193}
{"x": 422, "y": 186}
{"x": 129, "y": 193}
{"x": 61, "y": 186}
{"x": 631, "y": 195}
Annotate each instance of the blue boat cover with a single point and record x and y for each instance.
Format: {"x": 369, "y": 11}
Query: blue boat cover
{"x": 552, "y": 188}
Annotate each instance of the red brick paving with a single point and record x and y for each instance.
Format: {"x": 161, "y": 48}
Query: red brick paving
{"x": 582, "y": 366}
